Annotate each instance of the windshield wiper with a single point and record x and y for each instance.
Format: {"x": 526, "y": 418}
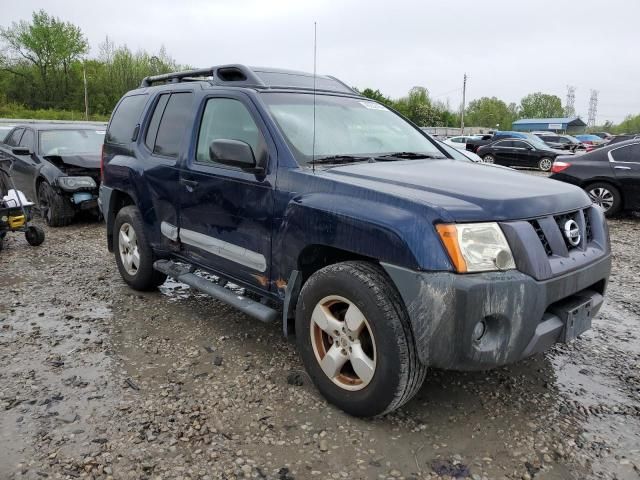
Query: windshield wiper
{"x": 338, "y": 159}
{"x": 410, "y": 155}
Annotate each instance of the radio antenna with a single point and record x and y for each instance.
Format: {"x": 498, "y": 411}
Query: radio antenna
{"x": 313, "y": 141}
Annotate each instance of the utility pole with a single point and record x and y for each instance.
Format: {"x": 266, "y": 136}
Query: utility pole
{"x": 593, "y": 109}
{"x": 464, "y": 98}
{"x": 86, "y": 95}
{"x": 569, "y": 109}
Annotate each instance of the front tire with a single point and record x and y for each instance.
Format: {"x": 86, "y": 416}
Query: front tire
{"x": 545, "y": 164}
{"x": 133, "y": 253}
{"x": 355, "y": 339}
{"x": 56, "y": 210}
{"x": 605, "y": 196}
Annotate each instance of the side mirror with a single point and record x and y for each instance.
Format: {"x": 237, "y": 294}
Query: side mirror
{"x": 21, "y": 151}
{"x": 232, "y": 152}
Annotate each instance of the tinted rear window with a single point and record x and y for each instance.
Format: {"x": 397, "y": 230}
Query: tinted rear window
{"x": 125, "y": 119}
{"x": 173, "y": 124}
{"x": 628, "y": 153}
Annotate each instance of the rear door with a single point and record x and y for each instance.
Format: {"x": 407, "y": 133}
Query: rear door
{"x": 625, "y": 161}
{"x": 163, "y": 139}
{"x": 226, "y": 212}
{"x": 503, "y": 152}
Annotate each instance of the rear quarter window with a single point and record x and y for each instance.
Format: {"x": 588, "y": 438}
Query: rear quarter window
{"x": 125, "y": 118}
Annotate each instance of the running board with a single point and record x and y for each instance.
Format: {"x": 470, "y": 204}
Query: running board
{"x": 184, "y": 273}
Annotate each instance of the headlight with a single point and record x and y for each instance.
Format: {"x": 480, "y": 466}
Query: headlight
{"x": 75, "y": 183}
{"x": 476, "y": 247}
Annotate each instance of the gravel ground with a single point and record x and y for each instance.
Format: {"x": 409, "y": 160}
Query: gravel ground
{"x": 99, "y": 381}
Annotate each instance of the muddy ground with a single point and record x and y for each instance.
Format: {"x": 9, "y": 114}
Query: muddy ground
{"x": 98, "y": 381}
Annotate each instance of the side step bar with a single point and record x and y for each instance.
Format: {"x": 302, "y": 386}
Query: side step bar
{"x": 184, "y": 274}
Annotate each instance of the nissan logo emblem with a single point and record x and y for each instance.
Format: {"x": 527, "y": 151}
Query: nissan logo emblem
{"x": 572, "y": 232}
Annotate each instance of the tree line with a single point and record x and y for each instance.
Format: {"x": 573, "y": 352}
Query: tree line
{"x": 45, "y": 65}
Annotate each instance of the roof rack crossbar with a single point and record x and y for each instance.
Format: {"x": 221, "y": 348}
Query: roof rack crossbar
{"x": 216, "y": 72}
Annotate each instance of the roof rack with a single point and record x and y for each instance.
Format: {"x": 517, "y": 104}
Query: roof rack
{"x": 235, "y": 73}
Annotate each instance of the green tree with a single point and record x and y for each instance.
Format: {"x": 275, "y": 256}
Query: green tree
{"x": 377, "y": 95}
{"x": 490, "y": 112}
{"x": 541, "y": 105}
{"x": 50, "y": 45}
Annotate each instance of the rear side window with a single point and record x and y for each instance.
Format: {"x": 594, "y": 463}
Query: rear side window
{"x": 504, "y": 143}
{"x": 517, "y": 144}
{"x": 125, "y": 119}
{"x": 14, "y": 139}
{"x": 173, "y": 124}
{"x": 152, "y": 131}
{"x": 628, "y": 153}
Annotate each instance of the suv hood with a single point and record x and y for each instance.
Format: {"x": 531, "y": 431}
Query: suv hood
{"x": 465, "y": 191}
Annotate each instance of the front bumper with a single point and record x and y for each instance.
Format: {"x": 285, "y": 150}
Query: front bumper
{"x": 522, "y": 315}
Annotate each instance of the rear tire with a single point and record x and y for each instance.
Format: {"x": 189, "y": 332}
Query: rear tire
{"x": 545, "y": 164}
{"x": 55, "y": 209}
{"x": 606, "y": 196}
{"x": 488, "y": 159}
{"x": 372, "y": 368}
{"x": 133, "y": 253}
{"x": 34, "y": 235}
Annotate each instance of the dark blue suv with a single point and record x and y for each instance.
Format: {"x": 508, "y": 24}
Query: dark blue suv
{"x": 335, "y": 214}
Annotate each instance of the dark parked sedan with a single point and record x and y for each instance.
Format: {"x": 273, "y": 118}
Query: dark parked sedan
{"x": 561, "y": 142}
{"x": 531, "y": 152}
{"x": 57, "y": 166}
{"x": 610, "y": 175}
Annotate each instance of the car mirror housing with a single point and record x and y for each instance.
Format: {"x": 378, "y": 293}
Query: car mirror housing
{"x": 232, "y": 152}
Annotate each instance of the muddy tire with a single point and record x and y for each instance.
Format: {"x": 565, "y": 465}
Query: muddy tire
{"x": 354, "y": 336}
{"x": 133, "y": 253}
{"x": 55, "y": 209}
{"x": 606, "y": 196}
{"x": 34, "y": 235}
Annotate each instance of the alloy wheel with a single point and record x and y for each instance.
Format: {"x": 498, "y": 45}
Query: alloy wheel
{"x": 602, "y": 197}
{"x": 343, "y": 343}
{"x": 128, "y": 248}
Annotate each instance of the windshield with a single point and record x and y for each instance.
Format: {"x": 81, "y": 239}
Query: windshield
{"x": 344, "y": 126}
{"x": 71, "y": 142}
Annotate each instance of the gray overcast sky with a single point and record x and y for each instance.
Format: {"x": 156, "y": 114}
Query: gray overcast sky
{"x": 508, "y": 48}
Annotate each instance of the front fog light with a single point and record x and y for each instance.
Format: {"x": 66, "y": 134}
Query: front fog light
{"x": 476, "y": 247}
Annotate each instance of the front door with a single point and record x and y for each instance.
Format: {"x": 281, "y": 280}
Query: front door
{"x": 25, "y": 166}
{"x": 225, "y": 211}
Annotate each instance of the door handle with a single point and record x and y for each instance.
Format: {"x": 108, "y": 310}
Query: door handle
{"x": 189, "y": 184}
{"x": 622, "y": 168}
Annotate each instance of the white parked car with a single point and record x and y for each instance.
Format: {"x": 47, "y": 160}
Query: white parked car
{"x": 459, "y": 142}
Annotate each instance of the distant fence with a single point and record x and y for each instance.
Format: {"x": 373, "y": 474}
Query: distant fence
{"x": 453, "y": 131}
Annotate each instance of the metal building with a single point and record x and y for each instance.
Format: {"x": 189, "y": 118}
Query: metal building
{"x": 564, "y": 125}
